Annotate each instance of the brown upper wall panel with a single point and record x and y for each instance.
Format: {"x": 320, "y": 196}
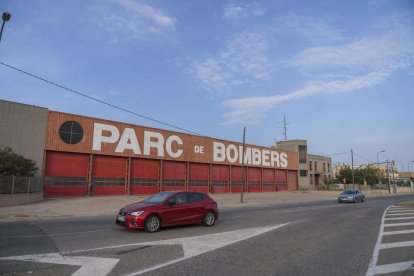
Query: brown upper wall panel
{"x": 75, "y": 133}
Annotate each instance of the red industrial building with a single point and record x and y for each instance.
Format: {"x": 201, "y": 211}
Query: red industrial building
{"x": 87, "y": 156}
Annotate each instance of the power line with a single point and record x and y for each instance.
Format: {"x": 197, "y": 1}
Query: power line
{"x": 99, "y": 101}
{"x": 366, "y": 159}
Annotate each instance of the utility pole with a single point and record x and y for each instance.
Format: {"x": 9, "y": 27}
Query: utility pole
{"x": 353, "y": 174}
{"x": 242, "y": 182}
{"x": 389, "y": 178}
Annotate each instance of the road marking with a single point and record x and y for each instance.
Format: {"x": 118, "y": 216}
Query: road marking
{"x": 192, "y": 246}
{"x": 233, "y": 217}
{"x": 396, "y": 244}
{"x": 401, "y": 214}
{"x": 89, "y": 265}
{"x": 399, "y": 218}
{"x": 64, "y": 234}
{"x": 373, "y": 269}
{"x": 374, "y": 259}
{"x": 396, "y": 267}
{"x": 398, "y": 232}
{"x": 398, "y": 224}
{"x": 400, "y": 211}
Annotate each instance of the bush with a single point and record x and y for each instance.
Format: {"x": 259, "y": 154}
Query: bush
{"x": 15, "y": 164}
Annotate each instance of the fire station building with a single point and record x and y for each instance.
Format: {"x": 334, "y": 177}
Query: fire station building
{"x": 80, "y": 156}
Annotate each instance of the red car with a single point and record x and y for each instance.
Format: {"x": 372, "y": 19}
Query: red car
{"x": 169, "y": 209}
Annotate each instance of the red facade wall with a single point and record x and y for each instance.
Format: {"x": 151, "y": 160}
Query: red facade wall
{"x": 281, "y": 177}
{"x": 109, "y": 167}
{"x": 144, "y": 169}
{"x": 220, "y": 173}
{"x": 173, "y": 176}
{"x": 254, "y": 179}
{"x": 268, "y": 175}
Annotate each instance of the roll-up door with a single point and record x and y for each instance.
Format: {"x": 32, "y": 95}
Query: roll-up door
{"x": 66, "y": 174}
{"x": 254, "y": 179}
{"x": 173, "y": 176}
{"x": 292, "y": 183}
{"x": 236, "y": 179}
{"x": 220, "y": 179}
{"x": 144, "y": 176}
{"x": 281, "y": 180}
{"x": 198, "y": 177}
{"x": 268, "y": 180}
{"x": 108, "y": 175}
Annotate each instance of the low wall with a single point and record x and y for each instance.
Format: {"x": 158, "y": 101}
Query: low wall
{"x": 20, "y": 199}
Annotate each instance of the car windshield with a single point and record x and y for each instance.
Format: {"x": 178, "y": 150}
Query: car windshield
{"x": 158, "y": 197}
{"x": 349, "y": 192}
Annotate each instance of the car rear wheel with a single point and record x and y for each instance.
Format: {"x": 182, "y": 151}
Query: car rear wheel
{"x": 152, "y": 224}
{"x": 209, "y": 219}
{"x": 363, "y": 199}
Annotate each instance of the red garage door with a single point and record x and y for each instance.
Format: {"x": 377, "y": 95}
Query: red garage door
{"x": 236, "y": 179}
{"x": 268, "y": 180}
{"x": 109, "y": 175}
{"x": 66, "y": 174}
{"x": 173, "y": 176}
{"x": 220, "y": 179}
{"x": 254, "y": 179}
{"x": 281, "y": 180}
{"x": 144, "y": 176}
{"x": 198, "y": 177}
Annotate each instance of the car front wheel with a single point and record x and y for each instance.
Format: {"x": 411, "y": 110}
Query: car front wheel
{"x": 152, "y": 224}
{"x": 209, "y": 219}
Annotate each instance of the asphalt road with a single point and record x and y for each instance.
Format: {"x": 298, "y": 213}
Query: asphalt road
{"x": 319, "y": 238}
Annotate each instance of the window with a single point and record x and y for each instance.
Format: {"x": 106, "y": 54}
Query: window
{"x": 179, "y": 198}
{"x": 316, "y": 166}
{"x": 195, "y": 197}
{"x": 329, "y": 169}
{"x": 303, "y": 173}
{"x": 71, "y": 132}
{"x": 324, "y": 167}
{"x": 303, "y": 152}
{"x": 310, "y": 165}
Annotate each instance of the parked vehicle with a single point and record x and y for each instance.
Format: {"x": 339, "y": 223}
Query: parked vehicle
{"x": 352, "y": 195}
{"x": 169, "y": 209}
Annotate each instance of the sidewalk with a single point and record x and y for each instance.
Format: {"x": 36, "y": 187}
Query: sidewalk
{"x": 109, "y": 205}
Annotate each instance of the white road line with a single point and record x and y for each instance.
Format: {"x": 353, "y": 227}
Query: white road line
{"x": 396, "y": 267}
{"x": 400, "y": 211}
{"x": 64, "y": 234}
{"x": 401, "y": 214}
{"x": 396, "y": 244}
{"x": 398, "y": 232}
{"x": 374, "y": 259}
{"x": 398, "y": 224}
{"x": 232, "y": 217}
{"x": 399, "y": 218}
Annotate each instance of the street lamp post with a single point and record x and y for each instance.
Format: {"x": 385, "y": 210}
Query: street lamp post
{"x": 6, "y": 17}
{"x": 379, "y": 175}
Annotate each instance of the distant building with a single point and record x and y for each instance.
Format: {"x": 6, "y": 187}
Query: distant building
{"x": 314, "y": 170}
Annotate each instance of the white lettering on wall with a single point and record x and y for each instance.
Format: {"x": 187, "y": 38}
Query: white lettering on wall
{"x": 153, "y": 140}
{"x": 168, "y": 146}
{"x": 99, "y": 138}
{"x": 219, "y": 154}
{"x": 128, "y": 141}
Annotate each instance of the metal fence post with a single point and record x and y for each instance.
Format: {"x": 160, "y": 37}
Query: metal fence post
{"x": 28, "y": 186}
{"x": 12, "y": 191}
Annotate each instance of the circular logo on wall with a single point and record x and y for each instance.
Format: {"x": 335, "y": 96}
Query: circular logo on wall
{"x": 71, "y": 132}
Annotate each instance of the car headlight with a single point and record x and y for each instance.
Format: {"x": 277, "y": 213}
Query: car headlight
{"x": 137, "y": 213}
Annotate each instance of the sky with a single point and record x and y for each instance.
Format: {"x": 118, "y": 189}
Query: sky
{"x": 340, "y": 72}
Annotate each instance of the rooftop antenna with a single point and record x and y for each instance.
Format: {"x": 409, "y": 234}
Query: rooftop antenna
{"x": 284, "y": 133}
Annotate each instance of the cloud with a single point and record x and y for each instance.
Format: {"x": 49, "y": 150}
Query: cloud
{"x": 355, "y": 65}
{"x": 131, "y": 19}
{"x": 252, "y": 109}
{"x": 243, "y": 60}
{"x": 233, "y": 11}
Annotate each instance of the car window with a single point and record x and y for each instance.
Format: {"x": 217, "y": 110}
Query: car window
{"x": 158, "y": 197}
{"x": 179, "y": 198}
{"x": 195, "y": 197}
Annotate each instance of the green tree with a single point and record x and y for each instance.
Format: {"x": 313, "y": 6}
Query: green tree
{"x": 14, "y": 164}
{"x": 368, "y": 174}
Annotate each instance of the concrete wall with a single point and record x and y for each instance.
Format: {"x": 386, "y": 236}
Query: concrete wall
{"x": 23, "y": 128}
{"x": 20, "y": 199}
